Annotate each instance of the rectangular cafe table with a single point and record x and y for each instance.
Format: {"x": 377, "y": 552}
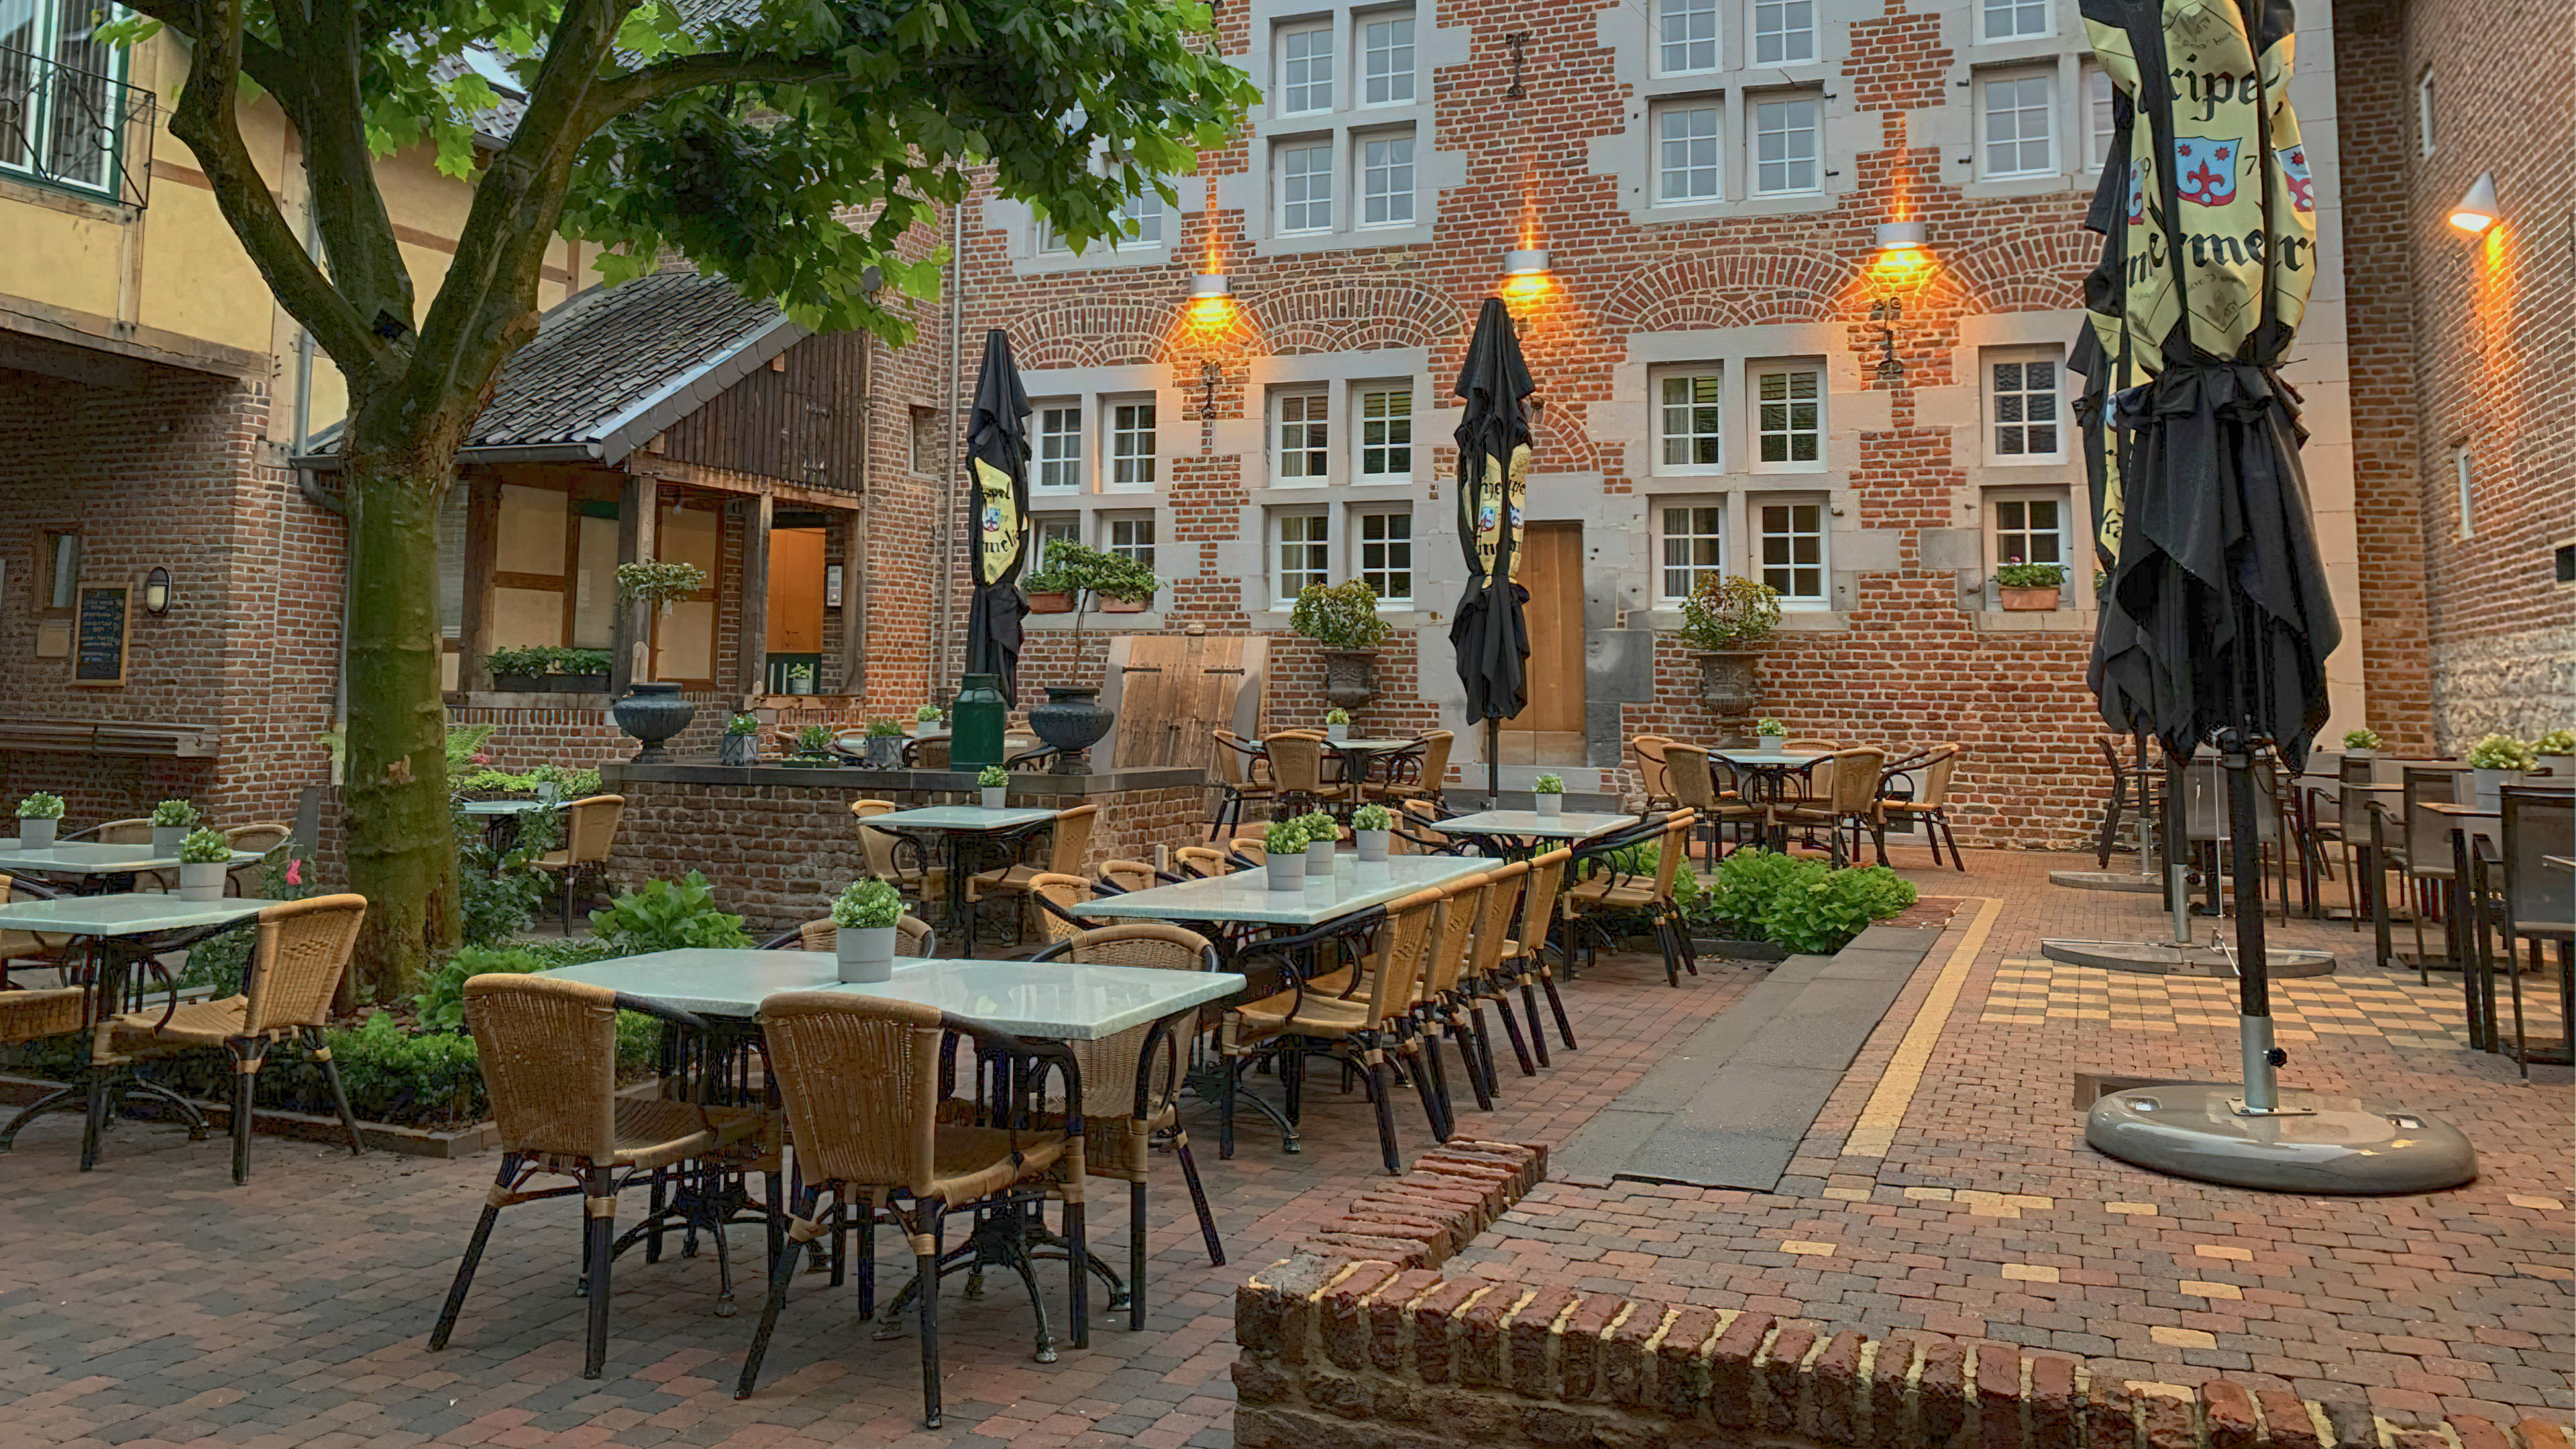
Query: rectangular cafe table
{"x": 1520, "y": 831}
{"x": 956, "y": 825}
{"x": 92, "y": 867}
{"x": 1245, "y": 897}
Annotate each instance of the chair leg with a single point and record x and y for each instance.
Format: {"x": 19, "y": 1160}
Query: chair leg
{"x": 1136, "y": 1256}
{"x": 926, "y": 1265}
{"x": 1430, "y": 1080}
{"x": 1381, "y": 1093}
{"x": 1077, "y": 1260}
{"x": 1529, "y": 1010}
{"x": 781, "y": 1273}
{"x": 1512, "y": 1029}
{"x": 1952, "y": 836}
{"x": 473, "y": 1256}
{"x": 245, "y": 1073}
{"x": 1471, "y": 1054}
{"x": 339, "y": 1094}
{"x": 1198, "y": 1199}
{"x": 599, "y": 1222}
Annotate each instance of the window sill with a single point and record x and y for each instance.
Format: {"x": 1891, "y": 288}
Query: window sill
{"x": 500, "y": 699}
{"x": 2034, "y": 621}
{"x": 1093, "y": 622}
{"x": 1099, "y": 259}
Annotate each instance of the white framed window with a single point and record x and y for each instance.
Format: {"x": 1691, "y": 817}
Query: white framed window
{"x": 1790, "y": 534}
{"x": 1386, "y": 179}
{"x": 1305, "y": 67}
{"x": 1788, "y": 417}
{"x": 1131, "y": 445}
{"x": 2028, "y": 526}
{"x": 1059, "y": 448}
{"x": 2424, "y": 113}
{"x": 1144, "y": 212}
{"x": 1047, "y": 530}
{"x": 1051, "y": 242}
{"x": 2013, "y": 19}
{"x": 1386, "y": 58}
{"x": 1689, "y": 422}
{"x": 1301, "y": 432}
{"x": 1784, "y": 32}
{"x": 2100, "y": 120}
{"x": 2463, "y": 476}
{"x": 1385, "y": 434}
{"x": 1129, "y": 535}
{"x": 1386, "y": 552}
{"x": 1305, "y": 172}
{"x": 1300, "y": 553}
{"x": 1692, "y": 540}
{"x": 1786, "y": 145}
{"x": 2024, "y": 411}
{"x": 1687, "y": 166}
{"x": 1688, "y": 35}
{"x": 2015, "y": 135}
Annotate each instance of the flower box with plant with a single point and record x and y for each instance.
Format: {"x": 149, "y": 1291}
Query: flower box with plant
{"x": 1284, "y": 854}
{"x": 546, "y": 668}
{"x": 2359, "y": 742}
{"x": 1337, "y": 725}
{"x": 926, "y": 719}
{"x": 2556, "y": 742}
{"x": 740, "y": 743}
{"x": 994, "y": 783}
{"x": 203, "y": 858}
{"x": 1548, "y": 793}
{"x": 2495, "y": 762}
{"x": 38, "y": 815}
{"x": 171, "y": 822}
{"x": 1724, "y": 617}
{"x": 1373, "y": 827}
{"x": 1343, "y": 618}
{"x": 863, "y": 927}
{"x": 1050, "y": 590}
{"x": 2027, "y": 586}
{"x": 1322, "y": 837}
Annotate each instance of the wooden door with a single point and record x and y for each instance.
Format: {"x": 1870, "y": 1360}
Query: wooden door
{"x": 1552, "y": 570}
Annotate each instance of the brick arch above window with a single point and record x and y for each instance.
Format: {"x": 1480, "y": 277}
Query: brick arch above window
{"x": 1787, "y": 285}
{"x": 1354, "y": 316}
{"x": 1097, "y": 334}
{"x": 2041, "y": 269}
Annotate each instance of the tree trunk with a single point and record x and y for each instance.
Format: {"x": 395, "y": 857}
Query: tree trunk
{"x": 402, "y": 850}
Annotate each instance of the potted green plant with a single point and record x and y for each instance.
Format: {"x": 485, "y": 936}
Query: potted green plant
{"x": 2557, "y": 744}
{"x": 171, "y": 822}
{"x": 1284, "y": 854}
{"x": 1072, "y": 719}
{"x": 1337, "y": 724}
{"x": 2495, "y": 761}
{"x": 516, "y": 671}
{"x": 1050, "y": 590}
{"x": 813, "y": 749}
{"x": 1770, "y": 732}
{"x": 1722, "y": 619}
{"x": 994, "y": 783}
{"x": 1343, "y": 618}
{"x": 1372, "y": 826}
{"x": 740, "y": 744}
{"x": 1547, "y": 793}
{"x": 863, "y": 929}
{"x": 2028, "y": 586}
{"x": 885, "y": 745}
{"x": 38, "y": 815}
{"x": 203, "y": 858}
{"x": 652, "y": 710}
{"x": 926, "y": 719}
{"x": 1322, "y": 836}
{"x": 2359, "y": 742}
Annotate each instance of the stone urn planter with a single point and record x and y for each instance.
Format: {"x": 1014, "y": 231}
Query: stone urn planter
{"x": 1726, "y": 682}
{"x": 1072, "y": 720}
{"x": 1350, "y": 676}
{"x": 652, "y": 711}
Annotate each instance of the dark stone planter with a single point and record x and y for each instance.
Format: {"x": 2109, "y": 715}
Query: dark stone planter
{"x": 1350, "y": 676}
{"x": 1726, "y": 683}
{"x": 1073, "y": 720}
{"x": 885, "y": 752}
{"x": 738, "y": 750}
{"x": 520, "y": 683}
{"x": 653, "y": 712}
{"x": 550, "y": 683}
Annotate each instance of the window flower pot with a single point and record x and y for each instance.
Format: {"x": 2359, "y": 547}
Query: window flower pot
{"x": 865, "y": 953}
{"x": 202, "y": 881}
{"x": 1372, "y": 844}
{"x": 1286, "y": 871}
{"x": 574, "y": 683}
{"x": 2026, "y": 600}
{"x": 36, "y": 834}
{"x": 1048, "y": 602}
{"x": 1125, "y": 606}
{"x": 521, "y": 683}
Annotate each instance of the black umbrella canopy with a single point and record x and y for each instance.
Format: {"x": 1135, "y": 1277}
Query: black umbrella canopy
{"x": 1493, "y": 436}
{"x": 997, "y": 450}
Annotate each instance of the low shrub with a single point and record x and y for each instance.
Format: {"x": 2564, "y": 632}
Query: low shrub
{"x": 1801, "y": 904}
{"x": 668, "y": 916}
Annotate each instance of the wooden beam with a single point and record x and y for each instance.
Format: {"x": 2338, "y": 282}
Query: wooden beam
{"x": 637, "y": 517}
{"x": 745, "y": 485}
{"x": 751, "y": 651}
{"x": 854, "y": 602}
{"x": 482, "y": 532}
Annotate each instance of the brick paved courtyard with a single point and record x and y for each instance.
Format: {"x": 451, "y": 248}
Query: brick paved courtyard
{"x": 1944, "y": 1188}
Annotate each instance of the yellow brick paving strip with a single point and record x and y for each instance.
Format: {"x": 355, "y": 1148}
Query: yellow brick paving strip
{"x": 2405, "y": 1013}
{"x": 1875, "y": 1133}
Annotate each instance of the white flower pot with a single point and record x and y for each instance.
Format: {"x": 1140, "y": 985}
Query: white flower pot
{"x": 866, "y": 953}
{"x": 166, "y": 838}
{"x": 1286, "y": 870}
{"x": 1548, "y": 804}
{"x": 548, "y": 792}
{"x": 36, "y": 834}
{"x": 2490, "y": 784}
{"x": 1771, "y": 742}
{"x": 1337, "y": 732}
{"x": 993, "y": 795}
{"x": 202, "y": 880}
{"x": 1319, "y": 857}
{"x": 1372, "y": 844}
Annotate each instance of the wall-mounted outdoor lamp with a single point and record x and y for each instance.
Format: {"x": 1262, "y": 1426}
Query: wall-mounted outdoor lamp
{"x": 1208, "y": 286}
{"x": 1525, "y": 262}
{"x": 1887, "y": 312}
{"x": 156, "y": 592}
{"x": 1900, "y": 236}
{"x": 2477, "y": 210}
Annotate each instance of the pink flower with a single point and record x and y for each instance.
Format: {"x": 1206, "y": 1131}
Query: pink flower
{"x": 478, "y": 759}
{"x": 295, "y": 872}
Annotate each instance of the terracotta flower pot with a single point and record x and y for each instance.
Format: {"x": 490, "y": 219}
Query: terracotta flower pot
{"x": 2020, "y": 600}
{"x": 1044, "y": 602}
{"x": 1125, "y": 606}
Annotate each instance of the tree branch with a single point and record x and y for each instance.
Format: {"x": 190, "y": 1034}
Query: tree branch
{"x": 207, "y": 119}
{"x": 681, "y": 73}
{"x": 348, "y": 206}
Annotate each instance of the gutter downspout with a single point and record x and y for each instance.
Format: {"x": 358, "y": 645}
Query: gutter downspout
{"x": 946, "y": 509}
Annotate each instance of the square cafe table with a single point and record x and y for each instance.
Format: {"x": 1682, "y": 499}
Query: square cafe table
{"x": 92, "y": 866}
{"x": 1521, "y": 830}
{"x": 956, "y": 825}
{"x": 1357, "y": 757}
{"x": 1245, "y": 896}
{"x": 1767, "y": 775}
{"x": 127, "y": 928}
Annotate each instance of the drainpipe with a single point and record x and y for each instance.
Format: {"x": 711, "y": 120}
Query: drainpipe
{"x": 946, "y": 510}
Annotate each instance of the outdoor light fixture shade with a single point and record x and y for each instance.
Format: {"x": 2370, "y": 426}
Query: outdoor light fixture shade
{"x": 2477, "y": 210}
{"x": 156, "y": 592}
{"x": 1899, "y": 236}
{"x": 1527, "y": 262}
{"x": 1211, "y": 284}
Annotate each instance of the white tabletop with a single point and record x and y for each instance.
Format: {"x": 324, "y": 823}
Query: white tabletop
{"x": 1531, "y": 825}
{"x": 84, "y": 858}
{"x": 1354, "y": 886}
{"x": 1369, "y": 746}
{"x": 126, "y": 914}
{"x": 1056, "y": 1000}
{"x": 957, "y": 818}
{"x": 1763, "y": 757}
{"x": 504, "y": 807}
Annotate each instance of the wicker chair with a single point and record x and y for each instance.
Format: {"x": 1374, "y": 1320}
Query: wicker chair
{"x": 302, "y": 951}
{"x": 1131, "y": 1100}
{"x": 1201, "y": 861}
{"x": 1616, "y": 891}
{"x": 1490, "y": 975}
{"x": 257, "y": 838}
{"x": 1363, "y": 1026}
{"x": 1249, "y": 849}
{"x": 1129, "y": 875}
{"x": 1239, "y": 778}
{"x": 1526, "y": 953}
{"x": 1651, "y": 777}
{"x": 1297, "y": 773}
{"x": 135, "y": 831}
{"x": 1439, "y": 1001}
{"x": 1850, "y": 799}
{"x": 1693, "y": 786}
{"x": 1071, "y": 842}
{"x": 1420, "y": 777}
{"x": 27, "y": 947}
{"x": 590, "y": 832}
{"x": 1060, "y": 898}
{"x": 548, "y": 1050}
{"x": 1931, "y": 807}
{"x": 912, "y": 937}
{"x": 1810, "y": 747}
{"x": 898, "y": 860}
{"x": 860, "y": 1079}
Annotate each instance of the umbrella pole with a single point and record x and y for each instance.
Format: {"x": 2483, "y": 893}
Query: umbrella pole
{"x": 2253, "y": 980}
{"x": 2178, "y": 848}
{"x": 1493, "y": 762}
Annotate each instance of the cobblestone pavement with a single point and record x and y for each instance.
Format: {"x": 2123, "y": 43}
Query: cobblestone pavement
{"x": 151, "y": 1303}
{"x": 1976, "y": 1209}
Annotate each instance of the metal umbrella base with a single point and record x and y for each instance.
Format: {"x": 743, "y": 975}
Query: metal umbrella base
{"x": 2165, "y": 959}
{"x": 2338, "y": 1146}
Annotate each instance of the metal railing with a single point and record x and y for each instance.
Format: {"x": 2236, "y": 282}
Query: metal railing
{"x": 74, "y": 129}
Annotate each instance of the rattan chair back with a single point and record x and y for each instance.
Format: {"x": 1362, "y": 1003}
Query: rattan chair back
{"x": 137, "y": 831}
{"x": 1232, "y": 759}
{"x": 913, "y": 936}
{"x": 1649, "y": 750}
{"x": 548, "y": 1049}
{"x": 1503, "y": 890}
{"x": 1072, "y": 838}
{"x": 590, "y": 828}
{"x": 1066, "y": 893}
{"x": 1810, "y": 747}
{"x": 1128, "y": 875}
{"x": 1538, "y": 897}
{"x": 1935, "y": 790}
{"x": 1397, "y": 964}
{"x": 1855, "y": 783}
{"x": 1251, "y": 847}
{"x": 1296, "y": 762}
{"x": 860, "y": 1077}
{"x": 1435, "y": 759}
{"x": 1202, "y": 861}
{"x": 259, "y": 837}
{"x": 303, "y": 950}
{"x": 1453, "y": 934}
{"x": 1687, "y": 780}
{"x": 1676, "y": 845}
{"x": 1109, "y": 1065}
{"x": 876, "y": 845}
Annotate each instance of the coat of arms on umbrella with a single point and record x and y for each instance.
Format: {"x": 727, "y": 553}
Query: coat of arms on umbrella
{"x": 2205, "y": 169}
{"x": 2294, "y": 175}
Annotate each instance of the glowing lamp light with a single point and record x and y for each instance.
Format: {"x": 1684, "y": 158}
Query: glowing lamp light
{"x": 156, "y": 592}
{"x": 1211, "y": 299}
{"x": 1211, "y": 284}
{"x": 1527, "y": 262}
{"x": 1900, "y": 236}
{"x": 2477, "y": 210}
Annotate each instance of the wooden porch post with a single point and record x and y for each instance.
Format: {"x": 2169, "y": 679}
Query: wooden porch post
{"x": 751, "y": 647}
{"x": 854, "y": 608}
{"x": 637, "y": 518}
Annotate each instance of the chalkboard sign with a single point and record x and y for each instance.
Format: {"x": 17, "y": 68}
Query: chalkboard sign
{"x": 98, "y": 641}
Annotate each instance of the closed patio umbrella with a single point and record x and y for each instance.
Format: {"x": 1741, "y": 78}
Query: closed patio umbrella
{"x": 1489, "y": 633}
{"x": 997, "y": 450}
